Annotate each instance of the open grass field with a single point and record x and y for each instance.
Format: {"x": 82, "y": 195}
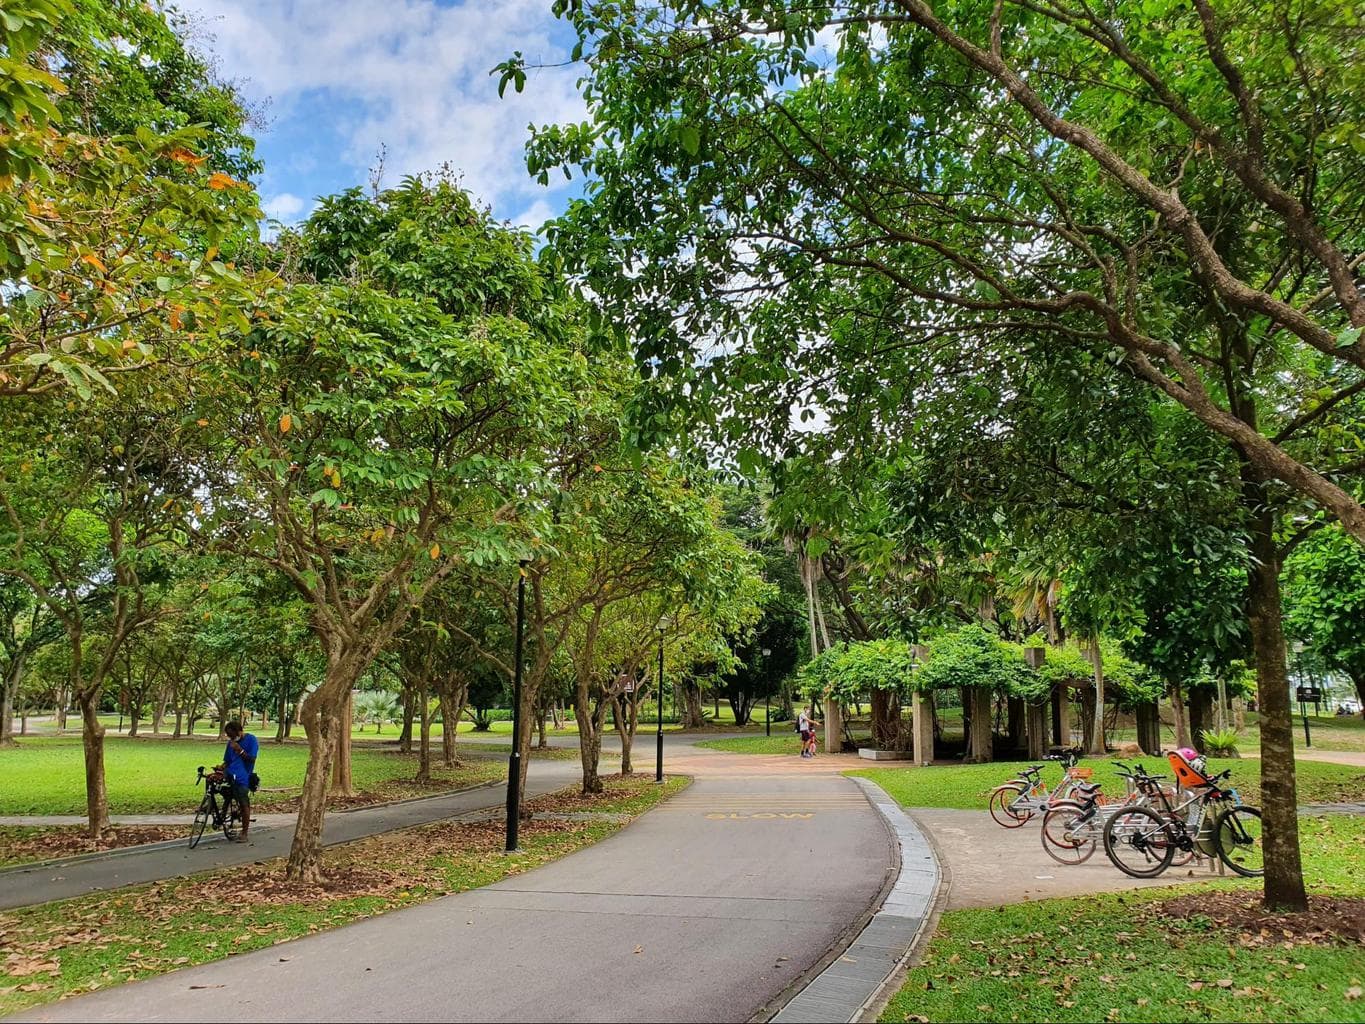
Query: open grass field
{"x": 967, "y": 786}
{"x": 105, "y": 939}
{"x": 1196, "y": 953}
{"x": 47, "y": 775}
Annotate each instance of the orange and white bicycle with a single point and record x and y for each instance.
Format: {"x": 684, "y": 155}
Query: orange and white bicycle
{"x": 1017, "y": 801}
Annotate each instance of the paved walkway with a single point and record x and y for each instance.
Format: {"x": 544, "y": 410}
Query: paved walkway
{"x": 270, "y": 837}
{"x": 714, "y": 906}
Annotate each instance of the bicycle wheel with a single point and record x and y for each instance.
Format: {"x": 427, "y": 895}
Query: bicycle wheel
{"x": 1237, "y": 838}
{"x": 1068, "y": 835}
{"x": 201, "y": 820}
{"x": 232, "y": 818}
{"x": 1138, "y": 842}
{"x": 1002, "y": 812}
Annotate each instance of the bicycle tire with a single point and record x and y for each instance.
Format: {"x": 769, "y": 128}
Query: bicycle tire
{"x": 201, "y": 820}
{"x": 1056, "y": 823}
{"x": 1004, "y": 815}
{"x": 1144, "y": 836}
{"x": 231, "y": 818}
{"x": 1238, "y": 840}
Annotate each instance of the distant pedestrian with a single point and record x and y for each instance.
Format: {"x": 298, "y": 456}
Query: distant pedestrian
{"x": 239, "y": 765}
{"x": 805, "y": 724}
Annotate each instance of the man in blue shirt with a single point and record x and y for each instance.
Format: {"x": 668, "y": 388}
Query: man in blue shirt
{"x": 239, "y": 761}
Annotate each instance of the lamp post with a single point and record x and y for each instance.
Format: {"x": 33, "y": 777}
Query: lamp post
{"x": 659, "y": 715}
{"x": 767, "y": 696}
{"x": 514, "y": 759}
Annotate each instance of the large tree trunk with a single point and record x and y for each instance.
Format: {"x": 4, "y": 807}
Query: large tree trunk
{"x": 693, "y": 716}
{"x": 1148, "y": 717}
{"x": 885, "y": 720}
{"x": 589, "y": 738}
{"x": 627, "y": 734}
{"x": 405, "y": 736}
{"x": 1015, "y": 718}
{"x": 341, "y": 763}
{"x": 1058, "y": 710}
{"x": 424, "y": 746}
{"x": 979, "y": 743}
{"x": 14, "y": 672}
{"x": 92, "y": 738}
{"x": 305, "y": 853}
{"x": 1096, "y": 738}
{"x": 1284, "y": 889}
{"x": 1182, "y": 724}
{"x": 1199, "y": 716}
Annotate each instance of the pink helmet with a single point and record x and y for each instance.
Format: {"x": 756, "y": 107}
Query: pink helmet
{"x": 1187, "y": 753}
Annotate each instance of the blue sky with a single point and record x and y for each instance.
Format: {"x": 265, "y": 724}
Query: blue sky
{"x": 335, "y": 80}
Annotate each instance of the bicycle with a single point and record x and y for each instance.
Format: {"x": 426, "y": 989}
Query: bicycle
{"x": 225, "y": 816}
{"x": 1015, "y": 802}
{"x": 1073, "y": 829}
{"x": 1143, "y": 841}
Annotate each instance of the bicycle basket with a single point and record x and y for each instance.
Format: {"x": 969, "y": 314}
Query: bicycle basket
{"x": 1186, "y": 774}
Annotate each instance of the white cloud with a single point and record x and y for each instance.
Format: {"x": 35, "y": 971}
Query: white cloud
{"x": 285, "y": 207}
{"x": 533, "y": 218}
{"x": 409, "y": 75}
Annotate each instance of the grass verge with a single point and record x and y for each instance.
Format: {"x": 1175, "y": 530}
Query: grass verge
{"x": 91, "y": 942}
{"x": 47, "y": 776}
{"x": 967, "y": 786}
{"x": 1156, "y": 955}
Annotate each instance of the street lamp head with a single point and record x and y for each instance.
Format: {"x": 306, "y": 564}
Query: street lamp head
{"x": 767, "y": 651}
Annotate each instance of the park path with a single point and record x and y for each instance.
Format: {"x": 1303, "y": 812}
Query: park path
{"x": 709, "y": 907}
{"x": 270, "y": 837}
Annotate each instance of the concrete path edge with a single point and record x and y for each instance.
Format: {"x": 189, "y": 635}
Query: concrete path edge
{"x": 860, "y": 976}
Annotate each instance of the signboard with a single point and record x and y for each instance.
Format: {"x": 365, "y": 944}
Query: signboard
{"x": 630, "y": 686}
{"x": 1309, "y": 695}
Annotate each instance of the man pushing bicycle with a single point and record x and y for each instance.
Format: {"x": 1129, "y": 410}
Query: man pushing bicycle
{"x": 239, "y": 764}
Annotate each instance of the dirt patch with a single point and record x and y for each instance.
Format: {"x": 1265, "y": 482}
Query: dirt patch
{"x": 1329, "y": 919}
{"x": 21, "y": 844}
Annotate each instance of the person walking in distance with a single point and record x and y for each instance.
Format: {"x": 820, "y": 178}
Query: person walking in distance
{"x": 811, "y": 726}
{"x": 803, "y": 728}
{"x": 239, "y": 762}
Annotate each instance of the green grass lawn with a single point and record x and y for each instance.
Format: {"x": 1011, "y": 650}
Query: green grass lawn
{"x": 1116, "y": 957}
{"x": 47, "y": 775}
{"x": 967, "y": 786}
{"x": 108, "y": 938}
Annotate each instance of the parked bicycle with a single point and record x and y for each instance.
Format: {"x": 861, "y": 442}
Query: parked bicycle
{"x": 1015, "y": 802}
{"x": 1205, "y": 818}
{"x": 1073, "y": 829}
{"x": 218, "y": 807}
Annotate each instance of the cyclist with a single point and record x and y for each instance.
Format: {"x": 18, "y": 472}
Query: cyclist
{"x": 239, "y": 762}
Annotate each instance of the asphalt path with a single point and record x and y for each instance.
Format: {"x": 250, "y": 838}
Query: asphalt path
{"x": 711, "y": 907}
{"x": 270, "y": 837}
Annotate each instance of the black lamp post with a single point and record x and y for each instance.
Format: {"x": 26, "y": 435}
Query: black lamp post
{"x": 514, "y": 759}
{"x": 767, "y": 696}
{"x": 659, "y": 715}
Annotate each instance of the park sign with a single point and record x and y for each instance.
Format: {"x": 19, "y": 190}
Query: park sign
{"x": 1309, "y": 695}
